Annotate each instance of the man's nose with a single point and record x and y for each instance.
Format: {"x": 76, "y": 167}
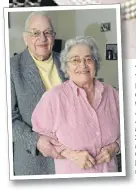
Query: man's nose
{"x": 43, "y": 36}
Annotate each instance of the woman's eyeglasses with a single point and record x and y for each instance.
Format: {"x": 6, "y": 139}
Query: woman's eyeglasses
{"x": 77, "y": 60}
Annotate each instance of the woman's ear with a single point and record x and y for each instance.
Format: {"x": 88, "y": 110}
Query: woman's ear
{"x": 95, "y": 73}
{"x": 67, "y": 71}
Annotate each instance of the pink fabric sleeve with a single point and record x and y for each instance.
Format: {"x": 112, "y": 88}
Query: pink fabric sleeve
{"x": 116, "y": 96}
{"x": 43, "y": 120}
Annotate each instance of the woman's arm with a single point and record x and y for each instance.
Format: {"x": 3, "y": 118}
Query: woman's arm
{"x": 116, "y": 97}
{"x": 43, "y": 120}
{"x": 106, "y": 153}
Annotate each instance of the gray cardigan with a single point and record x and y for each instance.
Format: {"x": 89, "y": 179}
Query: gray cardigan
{"x": 26, "y": 90}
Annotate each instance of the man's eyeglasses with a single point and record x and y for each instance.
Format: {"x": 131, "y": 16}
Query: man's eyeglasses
{"x": 37, "y": 33}
{"x": 77, "y": 60}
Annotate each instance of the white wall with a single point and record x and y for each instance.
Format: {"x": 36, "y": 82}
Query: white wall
{"x": 17, "y": 23}
{"x": 88, "y": 24}
{"x": 69, "y": 24}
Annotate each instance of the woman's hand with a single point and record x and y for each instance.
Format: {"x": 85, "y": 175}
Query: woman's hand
{"x": 106, "y": 153}
{"x": 81, "y": 158}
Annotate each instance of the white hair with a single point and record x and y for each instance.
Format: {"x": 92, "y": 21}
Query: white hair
{"x": 90, "y": 42}
{"x": 41, "y": 13}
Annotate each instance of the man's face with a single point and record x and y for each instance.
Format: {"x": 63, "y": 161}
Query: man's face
{"x": 39, "y": 37}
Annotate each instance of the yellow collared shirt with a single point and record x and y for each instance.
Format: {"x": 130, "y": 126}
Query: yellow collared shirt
{"x": 48, "y": 72}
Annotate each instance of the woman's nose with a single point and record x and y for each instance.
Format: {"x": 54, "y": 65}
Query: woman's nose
{"x": 83, "y": 63}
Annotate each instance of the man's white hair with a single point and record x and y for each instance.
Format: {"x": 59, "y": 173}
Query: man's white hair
{"x": 41, "y": 13}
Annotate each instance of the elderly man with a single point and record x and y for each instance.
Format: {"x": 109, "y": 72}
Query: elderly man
{"x": 33, "y": 71}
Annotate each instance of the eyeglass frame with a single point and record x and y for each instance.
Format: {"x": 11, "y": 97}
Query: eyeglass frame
{"x": 84, "y": 59}
{"x": 43, "y": 32}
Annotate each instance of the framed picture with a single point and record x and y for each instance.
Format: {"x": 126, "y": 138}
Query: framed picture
{"x": 105, "y": 27}
{"x": 111, "y": 52}
{"x": 19, "y": 153}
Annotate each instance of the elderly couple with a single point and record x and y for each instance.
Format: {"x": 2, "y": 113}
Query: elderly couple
{"x": 64, "y": 120}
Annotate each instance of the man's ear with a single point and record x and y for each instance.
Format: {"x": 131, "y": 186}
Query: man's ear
{"x": 25, "y": 38}
{"x": 54, "y": 39}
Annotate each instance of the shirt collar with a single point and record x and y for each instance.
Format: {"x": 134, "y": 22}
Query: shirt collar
{"x": 42, "y": 62}
{"x": 99, "y": 87}
{"x": 74, "y": 87}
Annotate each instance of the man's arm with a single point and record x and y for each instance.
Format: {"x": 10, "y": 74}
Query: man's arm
{"x": 20, "y": 130}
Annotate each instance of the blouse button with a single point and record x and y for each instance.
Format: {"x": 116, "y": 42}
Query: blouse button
{"x": 97, "y": 133}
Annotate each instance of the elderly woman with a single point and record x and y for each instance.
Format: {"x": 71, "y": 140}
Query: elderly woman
{"x": 81, "y": 113}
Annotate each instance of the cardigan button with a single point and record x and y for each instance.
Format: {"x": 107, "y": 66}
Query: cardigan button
{"x": 28, "y": 151}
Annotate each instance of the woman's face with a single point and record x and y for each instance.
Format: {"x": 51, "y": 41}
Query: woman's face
{"x": 81, "y": 65}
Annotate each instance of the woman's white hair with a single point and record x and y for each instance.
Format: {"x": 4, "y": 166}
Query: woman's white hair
{"x": 41, "y": 13}
{"x": 90, "y": 42}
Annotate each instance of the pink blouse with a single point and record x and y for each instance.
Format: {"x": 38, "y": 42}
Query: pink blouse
{"x": 64, "y": 113}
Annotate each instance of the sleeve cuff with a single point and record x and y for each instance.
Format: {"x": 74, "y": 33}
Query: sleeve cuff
{"x": 60, "y": 148}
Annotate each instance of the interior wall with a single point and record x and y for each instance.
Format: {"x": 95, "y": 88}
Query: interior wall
{"x": 71, "y": 23}
{"x": 91, "y": 21}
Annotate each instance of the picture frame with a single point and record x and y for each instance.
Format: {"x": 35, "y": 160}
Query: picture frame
{"x": 111, "y": 52}
{"x": 61, "y": 11}
{"x": 8, "y": 20}
{"x": 105, "y": 27}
